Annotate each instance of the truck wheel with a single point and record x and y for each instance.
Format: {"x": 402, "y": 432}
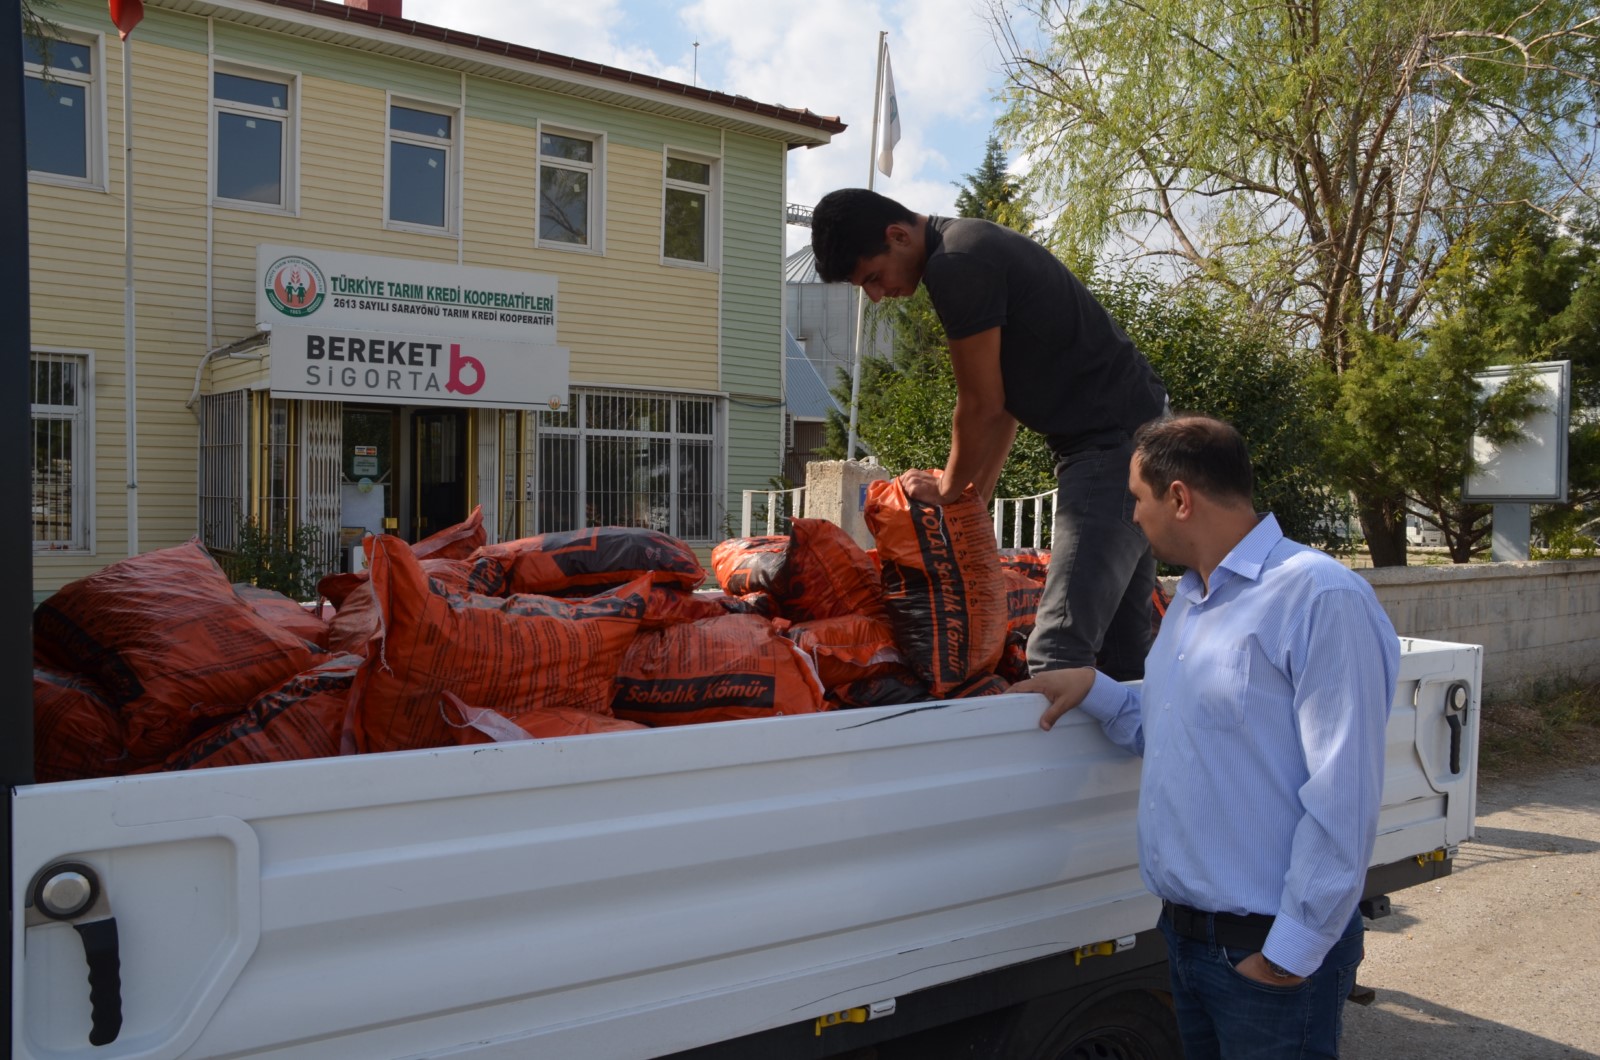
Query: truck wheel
{"x": 1133, "y": 1025}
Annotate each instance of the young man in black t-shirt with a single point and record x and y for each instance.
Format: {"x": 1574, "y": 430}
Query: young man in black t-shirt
{"x": 1029, "y": 344}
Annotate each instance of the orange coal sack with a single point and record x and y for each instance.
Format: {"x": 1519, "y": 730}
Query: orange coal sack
{"x": 356, "y": 621}
{"x": 302, "y": 718}
{"x": 1014, "y": 659}
{"x": 745, "y": 565}
{"x": 477, "y": 725}
{"x": 172, "y": 644}
{"x": 718, "y": 669}
{"x": 1022, "y": 600}
{"x": 285, "y": 613}
{"x": 828, "y": 575}
{"x": 942, "y": 583}
{"x": 597, "y": 556}
{"x": 489, "y": 656}
{"x": 453, "y": 542}
{"x": 76, "y": 733}
{"x": 846, "y": 649}
{"x": 1031, "y": 563}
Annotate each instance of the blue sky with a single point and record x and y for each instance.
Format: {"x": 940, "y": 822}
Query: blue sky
{"x": 817, "y": 53}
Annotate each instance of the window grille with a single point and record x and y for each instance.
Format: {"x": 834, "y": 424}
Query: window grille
{"x": 516, "y": 475}
{"x": 224, "y": 467}
{"x": 624, "y": 458}
{"x": 322, "y": 446}
{"x": 60, "y": 472}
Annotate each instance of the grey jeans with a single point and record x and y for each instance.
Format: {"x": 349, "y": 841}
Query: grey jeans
{"x": 1095, "y": 609}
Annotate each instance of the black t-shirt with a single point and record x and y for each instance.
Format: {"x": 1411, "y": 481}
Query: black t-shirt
{"x": 1070, "y": 372}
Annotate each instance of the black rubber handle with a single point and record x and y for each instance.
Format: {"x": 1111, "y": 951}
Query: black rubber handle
{"x": 1454, "y": 721}
{"x": 105, "y": 979}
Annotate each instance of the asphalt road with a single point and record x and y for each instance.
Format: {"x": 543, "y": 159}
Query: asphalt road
{"x": 1500, "y": 959}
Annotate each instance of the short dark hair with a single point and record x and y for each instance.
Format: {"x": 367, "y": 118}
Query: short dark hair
{"x": 848, "y": 225}
{"x": 1204, "y": 452}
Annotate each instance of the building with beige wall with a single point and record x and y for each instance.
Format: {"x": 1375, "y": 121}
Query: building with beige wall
{"x": 649, "y": 214}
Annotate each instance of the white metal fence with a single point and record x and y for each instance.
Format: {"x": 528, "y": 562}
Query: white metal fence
{"x": 775, "y": 506}
{"x": 1026, "y": 521}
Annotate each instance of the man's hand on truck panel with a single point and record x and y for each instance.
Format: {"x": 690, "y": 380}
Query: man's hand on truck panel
{"x": 1064, "y": 689}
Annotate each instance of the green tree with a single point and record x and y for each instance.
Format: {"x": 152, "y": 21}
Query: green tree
{"x": 993, "y": 194}
{"x": 1213, "y": 358}
{"x": 1319, "y": 163}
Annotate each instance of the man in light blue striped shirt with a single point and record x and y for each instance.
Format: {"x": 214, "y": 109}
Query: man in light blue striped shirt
{"x": 1261, "y": 721}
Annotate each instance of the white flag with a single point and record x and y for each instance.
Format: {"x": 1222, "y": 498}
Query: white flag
{"x": 889, "y": 131}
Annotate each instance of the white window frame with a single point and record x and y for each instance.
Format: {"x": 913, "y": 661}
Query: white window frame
{"x": 94, "y": 104}
{"x": 452, "y": 165}
{"x": 581, "y": 432}
{"x": 712, "y": 192}
{"x": 83, "y": 454}
{"x": 597, "y": 186}
{"x": 289, "y": 115}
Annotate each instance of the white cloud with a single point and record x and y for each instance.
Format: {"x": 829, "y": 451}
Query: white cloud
{"x": 817, "y": 54}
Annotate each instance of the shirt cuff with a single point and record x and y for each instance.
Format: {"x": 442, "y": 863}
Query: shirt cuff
{"x": 1295, "y": 947}
{"x": 1105, "y": 699}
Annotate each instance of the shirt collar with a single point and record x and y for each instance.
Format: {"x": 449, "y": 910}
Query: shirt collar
{"x": 1244, "y": 560}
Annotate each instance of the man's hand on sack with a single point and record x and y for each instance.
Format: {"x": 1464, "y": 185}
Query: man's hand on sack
{"x": 922, "y": 486}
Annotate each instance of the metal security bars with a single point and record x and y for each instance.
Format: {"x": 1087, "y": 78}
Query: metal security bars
{"x": 623, "y": 458}
{"x": 224, "y": 466}
{"x": 322, "y": 444}
{"x": 60, "y": 472}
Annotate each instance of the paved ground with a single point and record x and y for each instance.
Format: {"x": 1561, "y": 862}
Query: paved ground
{"x": 1500, "y": 959}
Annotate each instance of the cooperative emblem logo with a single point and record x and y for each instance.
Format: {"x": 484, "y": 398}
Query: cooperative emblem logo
{"x": 295, "y": 286}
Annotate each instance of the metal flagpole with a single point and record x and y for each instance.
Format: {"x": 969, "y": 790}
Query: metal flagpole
{"x": 861, "y": 295}
{"x": 127, "y": 297}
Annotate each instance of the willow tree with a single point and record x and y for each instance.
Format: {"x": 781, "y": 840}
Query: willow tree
{"x": 1319, "y": 160}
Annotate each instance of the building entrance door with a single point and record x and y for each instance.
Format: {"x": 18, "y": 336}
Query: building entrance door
{"x": 439, "y": 464}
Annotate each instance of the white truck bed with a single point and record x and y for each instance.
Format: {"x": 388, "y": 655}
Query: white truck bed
{"x": 624, "y": 895}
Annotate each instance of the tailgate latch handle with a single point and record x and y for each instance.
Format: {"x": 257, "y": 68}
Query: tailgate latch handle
{"x": 70, "y": 891}
{"x": 1456, "y": 698}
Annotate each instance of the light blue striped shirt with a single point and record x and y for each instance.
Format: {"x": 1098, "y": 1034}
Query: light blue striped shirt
{"x": 1261, "y": 721}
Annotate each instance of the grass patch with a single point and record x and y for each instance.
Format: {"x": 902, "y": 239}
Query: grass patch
{"x": 1545, "y": 724}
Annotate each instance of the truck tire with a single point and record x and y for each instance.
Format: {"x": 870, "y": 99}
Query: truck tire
{"x": 1131, "y": 1025}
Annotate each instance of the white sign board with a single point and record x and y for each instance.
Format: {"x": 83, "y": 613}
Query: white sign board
{"x": 340, "y": 364}
{"x": 295, "y": 285}
{"x": 1534, "y": 468}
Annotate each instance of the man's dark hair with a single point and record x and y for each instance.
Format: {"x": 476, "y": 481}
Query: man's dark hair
{"x": 1205, "y": 453}
{"x": 847, "y": 225}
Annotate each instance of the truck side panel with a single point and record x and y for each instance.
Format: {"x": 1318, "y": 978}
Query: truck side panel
{"x": 622, "y": 895}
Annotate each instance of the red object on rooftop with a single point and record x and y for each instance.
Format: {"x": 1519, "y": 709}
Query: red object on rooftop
{"x": 390, "y": 8}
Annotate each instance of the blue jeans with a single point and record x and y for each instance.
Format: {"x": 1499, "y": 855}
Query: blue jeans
{"x": 1095, "y": 608}
{"x": 1224, "y": 1016}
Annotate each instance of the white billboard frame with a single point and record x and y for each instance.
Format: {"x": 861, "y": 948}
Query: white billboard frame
{"x": 1532, "y": 469}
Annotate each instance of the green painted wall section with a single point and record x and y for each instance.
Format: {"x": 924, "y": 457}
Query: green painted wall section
{"x": 752, "y": 311}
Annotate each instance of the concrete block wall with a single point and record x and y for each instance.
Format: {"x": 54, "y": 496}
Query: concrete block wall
{"x": 1534, "y": 620}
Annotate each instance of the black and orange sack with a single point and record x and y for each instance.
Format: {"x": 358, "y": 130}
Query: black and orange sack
{"x": 595, "y": 558}
{"x": 76, "y": 732}
{"x": 828, "y": 575}
{"x": 302, "y": 718}
{"x": 849, "y": 648}
{"x": 718, "y": 669}
{"x": 173, "y": 646}
{"x": 482, "y": 651}
{"x": 745, "y": 565}
{"x": 942, "y": 583}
